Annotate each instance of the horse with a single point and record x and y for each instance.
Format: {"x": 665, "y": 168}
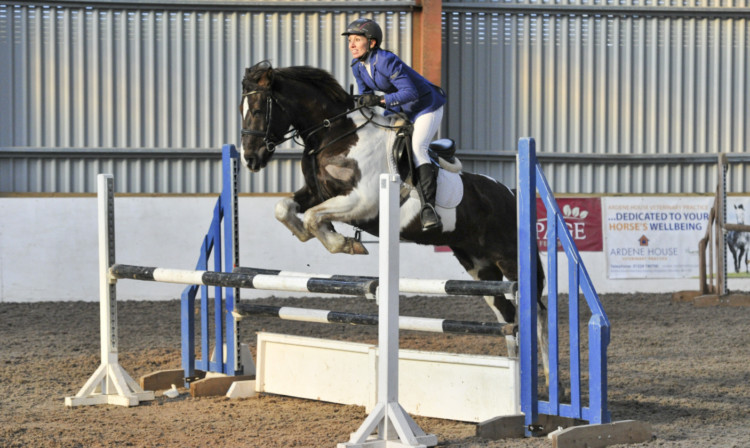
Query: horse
{"x": 345, "y": 153}
{"x": 739, "y": 242}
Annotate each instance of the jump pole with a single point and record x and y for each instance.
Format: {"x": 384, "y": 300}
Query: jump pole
{"x": 408, "y": 285}
{"x": 427, "y": 324}
{"x": 110, "y": 383}
{"x": 395, "y": 427}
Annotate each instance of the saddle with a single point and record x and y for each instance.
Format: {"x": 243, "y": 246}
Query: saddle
{"x": 442, "y": 152}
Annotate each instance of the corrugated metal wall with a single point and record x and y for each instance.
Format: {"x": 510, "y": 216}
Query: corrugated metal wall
{"x": 114, "y": 78}
{"x": 622, "y": 98}
{"x": 610, "y": 81}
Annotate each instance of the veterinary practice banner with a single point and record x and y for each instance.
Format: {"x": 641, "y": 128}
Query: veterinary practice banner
{"x": 583, "y": 217}
{"x": 654, "y": 237}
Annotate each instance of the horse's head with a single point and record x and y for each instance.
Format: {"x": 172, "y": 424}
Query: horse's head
{"x": 273, "y": 100}
{"x": 264, "y": 121}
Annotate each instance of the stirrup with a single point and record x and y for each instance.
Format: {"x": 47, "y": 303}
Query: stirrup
{"x": 427, "y": 222}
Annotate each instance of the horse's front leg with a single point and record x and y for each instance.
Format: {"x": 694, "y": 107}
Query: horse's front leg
{"x": 286, "y": 211}
{"x": 317, "y": 221}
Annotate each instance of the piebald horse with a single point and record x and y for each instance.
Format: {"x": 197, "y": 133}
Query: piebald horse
{"x": 346, "y": 148}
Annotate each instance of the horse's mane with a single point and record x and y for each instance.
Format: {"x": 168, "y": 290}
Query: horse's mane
{"x": 305, "y": 74}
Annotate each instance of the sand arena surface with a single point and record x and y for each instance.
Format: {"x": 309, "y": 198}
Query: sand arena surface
{"x": 683, "y": 369}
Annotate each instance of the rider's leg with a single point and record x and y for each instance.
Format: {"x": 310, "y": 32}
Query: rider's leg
{"x": 425, "y": 128}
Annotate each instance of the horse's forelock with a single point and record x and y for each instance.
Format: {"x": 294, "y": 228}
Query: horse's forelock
{"x": 259, "y": 74}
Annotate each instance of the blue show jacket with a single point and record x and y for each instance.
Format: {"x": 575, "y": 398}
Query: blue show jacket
{"x": 405, "y": 90}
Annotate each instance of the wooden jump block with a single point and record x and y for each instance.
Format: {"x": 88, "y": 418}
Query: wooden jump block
{"x": 503, "y": 427}
{"x": 727, "y": 300}
{"x": 685, "y": 296}
{"x": 513, "y": 426}
{"x": 599, "y": 436}
{"x": 212, "y": 386}
{"x": 163, "y": 379}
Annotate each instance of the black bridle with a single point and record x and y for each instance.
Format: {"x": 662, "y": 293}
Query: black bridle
{"x": 270, "y": 144}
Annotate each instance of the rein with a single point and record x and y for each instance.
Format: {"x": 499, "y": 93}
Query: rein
{"x": 294, "y": 133}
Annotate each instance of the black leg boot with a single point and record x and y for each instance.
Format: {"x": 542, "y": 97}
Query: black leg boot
{"x": 427, "y": 186}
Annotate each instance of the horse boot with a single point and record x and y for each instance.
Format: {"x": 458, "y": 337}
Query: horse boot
{"x": 427, "y": 186}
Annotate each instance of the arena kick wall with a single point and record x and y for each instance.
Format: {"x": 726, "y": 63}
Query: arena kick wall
{"x": 49, "y": 248}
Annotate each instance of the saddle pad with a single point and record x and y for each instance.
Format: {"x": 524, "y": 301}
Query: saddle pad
{"x": 450, "y": 189}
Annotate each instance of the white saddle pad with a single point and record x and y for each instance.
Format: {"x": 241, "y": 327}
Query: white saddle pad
{"x": 450, "y": 189}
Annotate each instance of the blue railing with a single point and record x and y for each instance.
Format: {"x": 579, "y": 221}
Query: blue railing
{"x": 225, "y": 215}
{"x": 531, "y": 178}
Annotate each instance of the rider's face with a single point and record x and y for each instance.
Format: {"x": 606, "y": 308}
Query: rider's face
{"x": 358, "y": 45}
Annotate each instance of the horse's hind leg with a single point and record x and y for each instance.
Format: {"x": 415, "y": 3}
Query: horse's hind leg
{"x": 503, "y": 306}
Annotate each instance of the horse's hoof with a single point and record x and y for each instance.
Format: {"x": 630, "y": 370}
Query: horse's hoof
{"x": 356, "y": 248}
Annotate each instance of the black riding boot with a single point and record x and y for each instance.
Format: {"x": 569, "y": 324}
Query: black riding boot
{"x": 427, "y": 186}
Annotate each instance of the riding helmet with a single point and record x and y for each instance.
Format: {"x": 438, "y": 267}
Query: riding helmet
{"x": 365, "y": 27}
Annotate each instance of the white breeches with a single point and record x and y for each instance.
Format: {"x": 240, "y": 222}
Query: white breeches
{"x": 425, "y": 128}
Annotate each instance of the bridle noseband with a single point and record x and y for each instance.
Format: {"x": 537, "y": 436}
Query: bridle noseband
{"x": 270, "y": 144}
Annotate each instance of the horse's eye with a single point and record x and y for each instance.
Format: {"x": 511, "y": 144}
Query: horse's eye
{"x": 256, "y": 112}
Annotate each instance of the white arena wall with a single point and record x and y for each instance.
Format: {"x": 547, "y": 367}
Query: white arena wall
{"x": 48, "y": 248}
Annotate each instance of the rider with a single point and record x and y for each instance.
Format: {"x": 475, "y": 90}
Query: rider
{"x": 406, "y": 91}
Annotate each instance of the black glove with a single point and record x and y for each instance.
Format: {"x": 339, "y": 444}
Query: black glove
{"x": 369, "y": 100}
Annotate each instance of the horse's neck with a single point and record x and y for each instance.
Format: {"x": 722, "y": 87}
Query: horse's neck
{"x": 375, "y": 127}
{"x": 313, "y": 122}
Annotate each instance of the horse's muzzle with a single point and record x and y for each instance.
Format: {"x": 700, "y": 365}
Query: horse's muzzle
{"x": 254, "y": 164}
{"x": 254, "y": 161}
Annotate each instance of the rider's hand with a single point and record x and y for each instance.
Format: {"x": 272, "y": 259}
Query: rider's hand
{"x": 369, "y": 100}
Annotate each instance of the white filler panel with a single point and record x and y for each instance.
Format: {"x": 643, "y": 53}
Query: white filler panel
{"x": 471, "y": 388}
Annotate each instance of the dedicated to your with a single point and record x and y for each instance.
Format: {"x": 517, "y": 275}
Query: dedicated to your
{"x": 406, "y": 91}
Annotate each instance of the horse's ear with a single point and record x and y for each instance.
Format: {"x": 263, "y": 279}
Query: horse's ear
{"x": 266, "y": 78}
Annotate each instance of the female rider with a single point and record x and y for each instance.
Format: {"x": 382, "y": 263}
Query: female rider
{"x": 406, "y": 91}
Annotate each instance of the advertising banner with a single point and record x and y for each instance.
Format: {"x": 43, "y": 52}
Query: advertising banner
{"x": 654, "y": 237}
{"x": 583, "y": 217}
